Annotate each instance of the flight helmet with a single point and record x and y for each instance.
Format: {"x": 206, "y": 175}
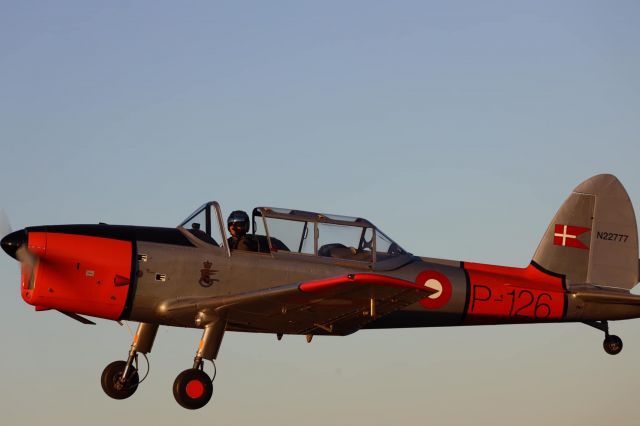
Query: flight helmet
{"x": 241, "y": 218}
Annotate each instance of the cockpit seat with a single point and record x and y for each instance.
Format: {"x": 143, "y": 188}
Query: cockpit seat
{"x": 263, "y": 244}
{"x": 328, "y": 250}
{"x": 340, "y": 251}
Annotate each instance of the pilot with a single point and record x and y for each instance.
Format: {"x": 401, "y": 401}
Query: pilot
{"x": 238, "y": 224}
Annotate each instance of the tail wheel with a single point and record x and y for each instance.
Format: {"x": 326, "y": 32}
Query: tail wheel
{"x": 112, "y": 384}
{"x": 192, "y": 388}
{"x": 612, "y": 345}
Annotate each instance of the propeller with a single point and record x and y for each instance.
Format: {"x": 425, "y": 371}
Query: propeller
{"x": 14, "y": 243}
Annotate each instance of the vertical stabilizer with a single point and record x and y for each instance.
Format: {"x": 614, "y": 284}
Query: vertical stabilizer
{"x": 593, "y": 238}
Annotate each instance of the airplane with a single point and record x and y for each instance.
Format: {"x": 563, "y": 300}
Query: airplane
{"x": 321, "y": 274}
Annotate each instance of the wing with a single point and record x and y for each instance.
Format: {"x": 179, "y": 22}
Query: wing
{"x": 337, "y": 306}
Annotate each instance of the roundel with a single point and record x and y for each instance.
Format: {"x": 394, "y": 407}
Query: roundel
{"x": 437, "y": 282}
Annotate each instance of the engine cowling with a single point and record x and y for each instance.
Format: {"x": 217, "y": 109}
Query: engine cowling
{"x": 75, "y": 273}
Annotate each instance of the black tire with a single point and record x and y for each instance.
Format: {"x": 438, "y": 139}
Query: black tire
{"x": 192, "y": 389}
{"x": 111, "y": 384}
{"x": 612, "y": 345}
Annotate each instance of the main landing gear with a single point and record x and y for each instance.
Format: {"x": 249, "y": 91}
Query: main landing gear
{"x": 192, "y": 388}
{"x": 612, "y": 344}
{"x": 120, "y": 378}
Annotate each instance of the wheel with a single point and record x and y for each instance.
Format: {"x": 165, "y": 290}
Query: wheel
{"x": 110, "y": 380}
{"x": 612, "y": 345}
{"x": 192, "y": 389}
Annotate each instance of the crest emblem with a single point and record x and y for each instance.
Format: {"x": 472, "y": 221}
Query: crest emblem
{"x": 206, "y": 274}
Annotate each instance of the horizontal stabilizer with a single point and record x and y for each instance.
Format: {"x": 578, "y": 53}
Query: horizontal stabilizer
{"x": 606, "y": 297}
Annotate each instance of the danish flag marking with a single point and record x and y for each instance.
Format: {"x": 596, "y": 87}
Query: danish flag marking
{"x": 567, "y": 236}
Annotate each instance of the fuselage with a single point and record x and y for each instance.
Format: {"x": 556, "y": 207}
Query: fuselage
{"x": 126, "y": 272}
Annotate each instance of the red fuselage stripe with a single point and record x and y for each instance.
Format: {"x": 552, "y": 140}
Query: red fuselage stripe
{"x": 375, "y": 279}
{"x": 504, "y": 294}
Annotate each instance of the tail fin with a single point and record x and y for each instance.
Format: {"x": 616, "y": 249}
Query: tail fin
{"x": 593, "y": 238}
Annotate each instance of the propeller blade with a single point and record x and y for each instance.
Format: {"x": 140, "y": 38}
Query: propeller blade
{"x": 25, "y": 256}
{"x": 5, "y": 225}
{"x": 28, "y": 261}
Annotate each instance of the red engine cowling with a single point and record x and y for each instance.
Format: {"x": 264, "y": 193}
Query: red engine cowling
{"x": 78, "y": 273}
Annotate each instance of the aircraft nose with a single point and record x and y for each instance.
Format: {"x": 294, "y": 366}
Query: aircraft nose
{"x": 11, "y": 242}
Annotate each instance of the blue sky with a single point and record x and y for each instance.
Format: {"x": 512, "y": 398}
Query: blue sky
{"x": 457, "y": 127}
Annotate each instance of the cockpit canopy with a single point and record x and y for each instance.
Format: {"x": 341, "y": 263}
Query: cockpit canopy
{"x": 323, "y": 234}
{"x": 277, "y": 230}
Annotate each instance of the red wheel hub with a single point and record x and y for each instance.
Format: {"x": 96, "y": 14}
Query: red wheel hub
{"x": 195, "y": 389}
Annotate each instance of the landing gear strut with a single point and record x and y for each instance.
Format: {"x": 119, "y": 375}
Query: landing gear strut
{"x": 612, "y": 344}
{"x": 120, "y": 378}
{"x": 193, "y": 388}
